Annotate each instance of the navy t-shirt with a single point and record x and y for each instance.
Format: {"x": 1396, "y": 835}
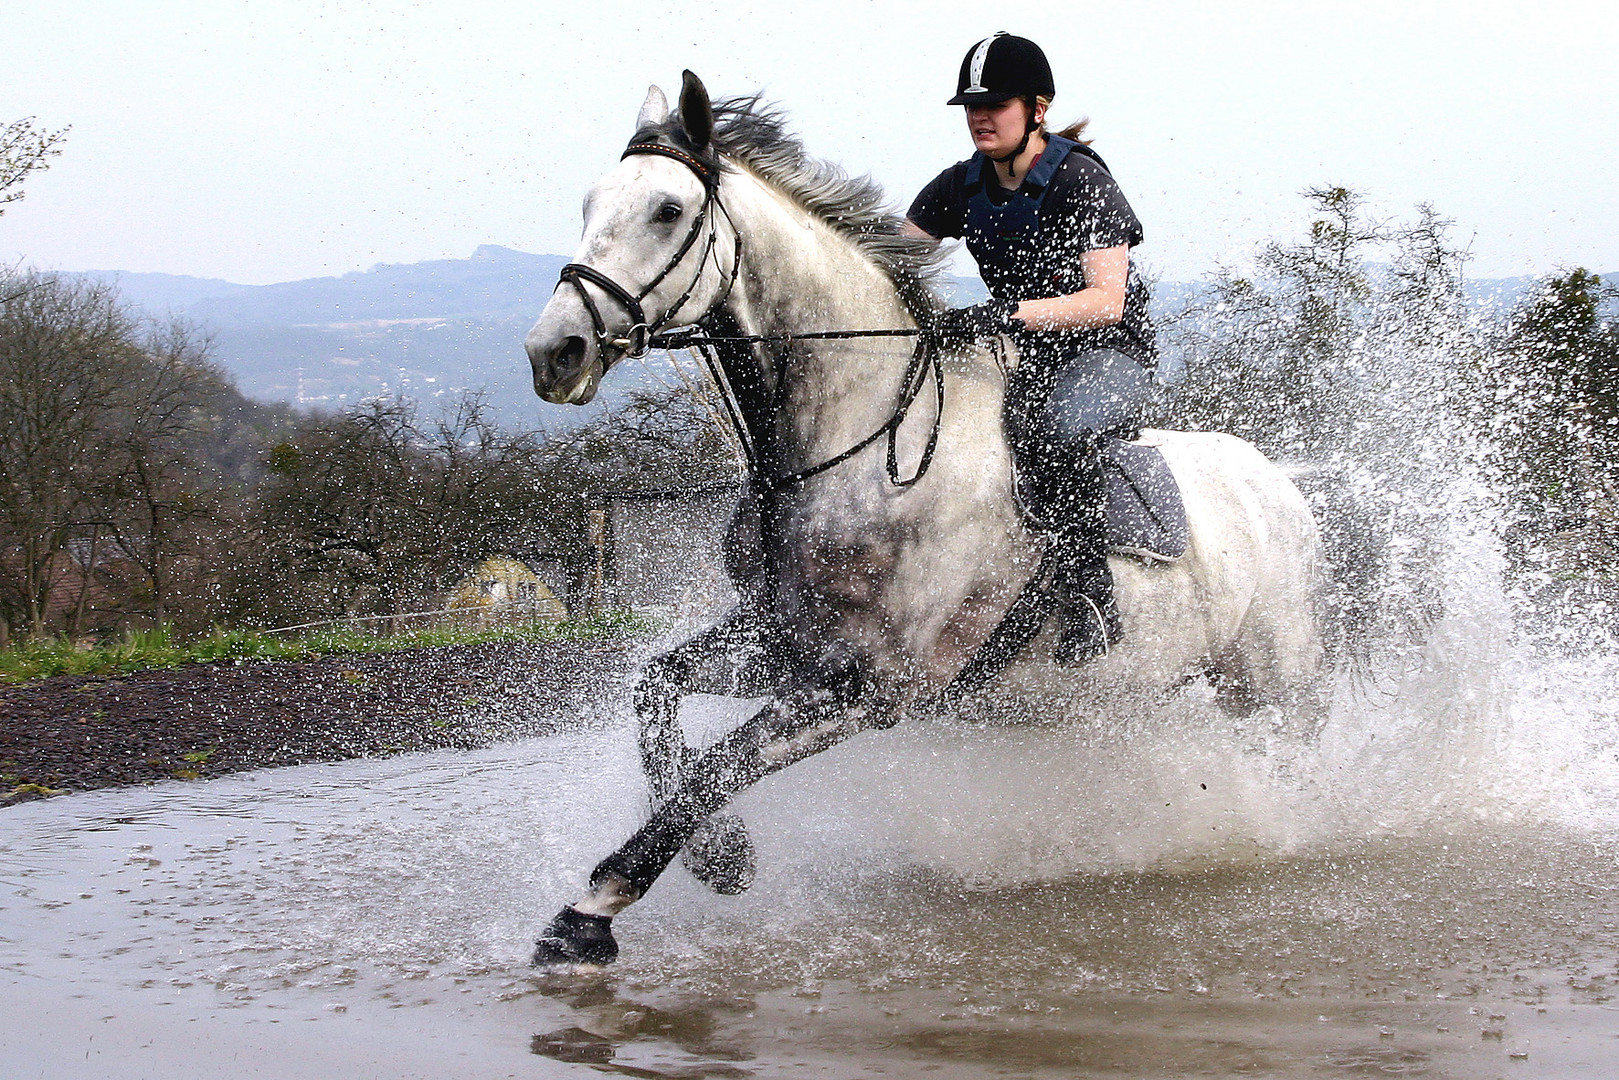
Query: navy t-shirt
{"x": 1083, "y": 210}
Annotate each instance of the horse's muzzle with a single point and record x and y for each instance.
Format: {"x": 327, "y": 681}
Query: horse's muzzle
{"x": 566, "y": 367}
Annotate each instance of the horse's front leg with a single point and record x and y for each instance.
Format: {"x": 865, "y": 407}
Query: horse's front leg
{"x": 726, "y": 659}
{"x": 731, "y": 659}
{"x": 787, "y": 730}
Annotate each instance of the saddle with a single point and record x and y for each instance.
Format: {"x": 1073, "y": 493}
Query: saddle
{"x": 1146, "y": 516}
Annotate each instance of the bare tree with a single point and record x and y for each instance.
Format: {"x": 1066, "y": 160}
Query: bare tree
{"x": 703, "y": 398}
{"x": 67, "y": 352}
{"x": 654, "y": 438}
{"x": 24, "y": 149}
{"x": 99, "y": 423}
{"x": 157, "y": 488}
{"x": 375, "y": 508}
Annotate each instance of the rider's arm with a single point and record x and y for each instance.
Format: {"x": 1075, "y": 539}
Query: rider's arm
{"x": 1099, "y": 303}
{"x": 915, "y": 231}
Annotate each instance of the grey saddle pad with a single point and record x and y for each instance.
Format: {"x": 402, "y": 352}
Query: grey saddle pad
{"x": 1145, "y": 514}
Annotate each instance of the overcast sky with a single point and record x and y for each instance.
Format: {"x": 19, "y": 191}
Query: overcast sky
{"x": 263, "y": 142}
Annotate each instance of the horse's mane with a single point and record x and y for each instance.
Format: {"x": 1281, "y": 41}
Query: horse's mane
{"x": 754, "y": 132}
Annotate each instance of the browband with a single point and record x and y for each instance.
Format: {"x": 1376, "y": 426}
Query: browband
{"x": 705, "y": 172}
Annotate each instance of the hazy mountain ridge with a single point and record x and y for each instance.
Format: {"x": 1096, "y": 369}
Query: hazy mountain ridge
{"x": 430, "y": 328}
{"x": 494, "y": 280}
{"x": 421, "y": 329}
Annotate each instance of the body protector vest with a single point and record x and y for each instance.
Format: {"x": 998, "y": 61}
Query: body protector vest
{"x": 1020, "y": 259}
{"x": 1016, "y": 259}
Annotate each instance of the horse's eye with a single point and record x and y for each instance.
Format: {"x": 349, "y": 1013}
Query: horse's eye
{"x": 668, "y": 212}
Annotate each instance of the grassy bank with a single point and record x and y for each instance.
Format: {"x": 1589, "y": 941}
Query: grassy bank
{"x": 38, "y": 659}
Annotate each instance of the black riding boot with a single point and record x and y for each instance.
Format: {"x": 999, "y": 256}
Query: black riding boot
{"x": 1082, "y": 580}
{"x": 1056, "y": 412}
{"x": 1090, "y": 618}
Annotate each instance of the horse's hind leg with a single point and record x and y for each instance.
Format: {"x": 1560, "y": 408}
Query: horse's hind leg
{"x": 785, "y": 731}
{"x": 726, "y": 659}
{"x": 1276, "y": 661}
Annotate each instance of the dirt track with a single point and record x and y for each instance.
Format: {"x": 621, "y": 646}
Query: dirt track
{"x": 74, "y": 733}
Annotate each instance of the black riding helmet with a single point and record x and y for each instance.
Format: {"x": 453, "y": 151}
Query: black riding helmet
{"x": 1002, "y": 67}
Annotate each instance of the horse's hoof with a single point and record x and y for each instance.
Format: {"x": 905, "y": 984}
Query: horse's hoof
{"x": 575, "y": 941}
{"x": 720, "y": 855}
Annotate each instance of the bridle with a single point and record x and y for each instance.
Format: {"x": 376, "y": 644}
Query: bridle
{"x": 638, "y": 339}
{"x": 642, "y": 336}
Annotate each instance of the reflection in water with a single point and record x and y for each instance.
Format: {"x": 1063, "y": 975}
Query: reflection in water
{"x": 1441, "y": 958}
{"x": 575, "y": 1044}
{"x": 620, "y": 1028}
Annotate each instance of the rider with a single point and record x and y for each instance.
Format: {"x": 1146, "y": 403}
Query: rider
{"x": 1052, "y": 234}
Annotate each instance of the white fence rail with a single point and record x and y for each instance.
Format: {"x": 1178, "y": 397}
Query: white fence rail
{"x": 469, "y": 618}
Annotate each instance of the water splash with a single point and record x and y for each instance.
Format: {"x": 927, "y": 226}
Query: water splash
{"x": 1463, "y": 724}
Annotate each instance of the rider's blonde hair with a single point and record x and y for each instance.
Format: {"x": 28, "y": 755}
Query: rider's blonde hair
{"x": 1072, "y": 131}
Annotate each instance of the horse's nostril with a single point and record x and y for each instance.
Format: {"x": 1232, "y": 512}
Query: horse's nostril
{"x": 570, "y": 358}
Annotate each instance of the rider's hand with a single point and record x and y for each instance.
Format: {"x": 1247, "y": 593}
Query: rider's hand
{"x": 975, "y": 321}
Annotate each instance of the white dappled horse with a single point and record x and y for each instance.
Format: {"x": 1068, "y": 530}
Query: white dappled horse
{"x": 863, "y": 594}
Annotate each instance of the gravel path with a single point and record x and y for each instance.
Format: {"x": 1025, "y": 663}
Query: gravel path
{"x": 75, "y": 733}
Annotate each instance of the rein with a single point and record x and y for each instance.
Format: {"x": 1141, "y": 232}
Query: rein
{"x": 643, "y": 336}
{"x": 924, "y": 361}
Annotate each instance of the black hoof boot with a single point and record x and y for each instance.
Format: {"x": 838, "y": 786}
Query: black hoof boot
{"x": 575, "y": 940}
{"x": 720, "y": 855}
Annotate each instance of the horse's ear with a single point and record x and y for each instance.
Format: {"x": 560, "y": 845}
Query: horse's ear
{"x": 654, "y": 110}
{"x": 696, "y": 111}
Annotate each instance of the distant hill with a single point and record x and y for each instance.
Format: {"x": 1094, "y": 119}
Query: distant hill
{"x": 422, "y": 329}
{"x": 434, "y": 328}
{"x": 164, "y": 293}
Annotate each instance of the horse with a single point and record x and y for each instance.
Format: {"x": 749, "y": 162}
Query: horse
{"x": 870, "y": 583}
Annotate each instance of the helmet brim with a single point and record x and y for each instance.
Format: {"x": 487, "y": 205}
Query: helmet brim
{"x": 983, "y": 97}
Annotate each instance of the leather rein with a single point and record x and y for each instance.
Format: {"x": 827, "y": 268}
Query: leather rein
{"x": 644, "y": 335}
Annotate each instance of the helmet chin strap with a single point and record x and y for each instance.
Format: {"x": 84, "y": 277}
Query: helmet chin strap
{"x": 1011, "y": 169}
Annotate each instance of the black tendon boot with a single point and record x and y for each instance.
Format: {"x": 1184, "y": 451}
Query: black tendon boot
{"x": 1090, "y": 618}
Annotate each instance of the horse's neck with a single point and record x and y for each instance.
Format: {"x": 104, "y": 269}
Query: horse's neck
{"x": 801, "y": 275}
{"x": 950, "y": 550}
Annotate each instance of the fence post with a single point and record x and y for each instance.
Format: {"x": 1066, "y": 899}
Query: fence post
{"x": 596, "y": 534}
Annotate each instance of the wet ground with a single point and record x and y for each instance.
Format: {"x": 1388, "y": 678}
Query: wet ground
{"x": 951, "y": 902}
{"x": 78, "y": 733}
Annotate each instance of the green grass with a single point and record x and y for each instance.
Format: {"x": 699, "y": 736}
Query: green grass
{"x": 135, "y": 651}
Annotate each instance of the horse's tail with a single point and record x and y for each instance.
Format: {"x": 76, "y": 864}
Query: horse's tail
{"x": 1380, "y": 590}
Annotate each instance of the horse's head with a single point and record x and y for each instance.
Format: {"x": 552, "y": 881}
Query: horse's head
{"x": 651, "y": 255}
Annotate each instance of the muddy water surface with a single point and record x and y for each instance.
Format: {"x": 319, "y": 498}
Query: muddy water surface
{"x": 1429, "y": 889}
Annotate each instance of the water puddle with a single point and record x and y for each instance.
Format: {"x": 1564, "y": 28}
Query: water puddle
{"x": 955, "y": 900}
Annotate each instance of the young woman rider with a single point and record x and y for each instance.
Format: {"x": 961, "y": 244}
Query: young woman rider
{"x": 1052, "y": 234}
